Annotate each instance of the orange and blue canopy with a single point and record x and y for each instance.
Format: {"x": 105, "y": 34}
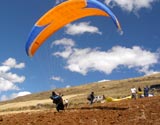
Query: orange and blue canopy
{"x": 62, "y": 14}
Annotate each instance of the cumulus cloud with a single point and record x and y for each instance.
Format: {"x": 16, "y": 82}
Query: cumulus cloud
{"x": 4, "y": 69}
{"x": 80, "y": 28}
{"x": 146, "y": 70}
{"x": 6, "y": 85}
{"x": 67, "y": 43}
{"x": 11, "y": 62}
{"x": 68, "y": 86}
{"x": 57, "y": 78}
{"x": 131, "y": 5}
{"x": 14, "y": 95}
{"x": 14, "y": 78}
{"x": 8, "y": 79}
{"x": 88, "y": 59}
{"x": 104, "y": 80}
{"x": 64, "y": 41}
{"x": 64, "y": 54}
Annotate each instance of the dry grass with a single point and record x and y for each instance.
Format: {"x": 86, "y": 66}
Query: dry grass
{"x": 77, "y": 95}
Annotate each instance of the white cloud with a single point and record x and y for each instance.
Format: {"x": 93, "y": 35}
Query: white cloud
{"x": 131, "y": 5}
{"x": 57, "y": 78}
{"x": 80, "y": 28}
{"x": 68, "y": 43}
{"x": 104, "y": 80}
{"x": 65, "y": 54}
{"x": 11, "y": 62}
{"x": 6, "y": 85}
{"x": 8, "y": 79}
{"x": 4, "y": 69}
{"x": 146, "y": 70}
{"x": 14, "y": 78}
{"x": 64, "y": 41}
{"x": 14, "y": 95}
{"x": 68, "y": 86}
{"x": 88, "y": 59}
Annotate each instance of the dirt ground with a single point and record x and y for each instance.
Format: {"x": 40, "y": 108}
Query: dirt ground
{"x": 144, "y": 111}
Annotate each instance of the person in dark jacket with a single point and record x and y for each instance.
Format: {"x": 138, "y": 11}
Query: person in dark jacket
{"x": 146, "y": 91}
{"x": 57, "y": 99}
{"x": 91, "y": 97}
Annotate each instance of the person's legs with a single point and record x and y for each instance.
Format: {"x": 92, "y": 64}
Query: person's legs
{"x": 57, "y": 107}
{"x": 60, "y": 106}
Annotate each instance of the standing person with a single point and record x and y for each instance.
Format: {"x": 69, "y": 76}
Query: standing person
{"x": 146, "y": 91}
{"x": 139, "y": 92}
{"x": 133, "y": 92}
{"x": 91, "y": 97}
{"x": 57, "y": 99}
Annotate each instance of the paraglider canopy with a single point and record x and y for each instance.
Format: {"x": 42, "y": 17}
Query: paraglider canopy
{"x": 62, "y": 14}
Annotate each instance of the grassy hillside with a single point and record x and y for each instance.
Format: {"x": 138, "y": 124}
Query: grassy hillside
{"x": 117, "y": 88}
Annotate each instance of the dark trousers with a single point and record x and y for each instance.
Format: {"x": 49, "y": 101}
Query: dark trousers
{"x": 59, "y": 106}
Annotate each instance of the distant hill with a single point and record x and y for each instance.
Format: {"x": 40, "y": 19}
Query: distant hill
{"x": 78, "y": 94}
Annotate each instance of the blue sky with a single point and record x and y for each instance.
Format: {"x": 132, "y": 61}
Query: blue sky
{"x": 87, "y": 50}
